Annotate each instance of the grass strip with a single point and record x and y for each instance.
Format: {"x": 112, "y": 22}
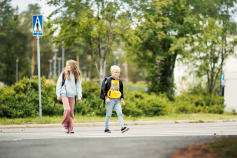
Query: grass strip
{"x": 90, "y": 118}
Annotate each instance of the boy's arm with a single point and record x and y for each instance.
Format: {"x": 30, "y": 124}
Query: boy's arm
{"x": 121, "y": 89}
{"x": 59, "y": 85}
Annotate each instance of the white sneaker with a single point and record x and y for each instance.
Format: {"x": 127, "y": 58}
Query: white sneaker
{"x": 65, "y": 129}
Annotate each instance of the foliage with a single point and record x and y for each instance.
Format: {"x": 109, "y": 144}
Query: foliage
{"x": 98, "y": 23}
{"x": 199, "y": 103}
{"x": 17, "y": 42}
{"x": 136, "y": 87}
{"x": 167, "y": 29}
{"x": 45, "y": 45}
{"x": 159, "y": 37}
{"x": 213, "y": 40}
{"x": 21, "y": 100}
{"x": 12, "y": 44}
{"x": 137, "y": 103}
{"x": 197, "y": 99}
{"x": 210, "y": 49}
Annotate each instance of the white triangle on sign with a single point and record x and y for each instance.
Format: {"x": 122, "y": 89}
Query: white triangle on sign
{"x": 37, "y": 28}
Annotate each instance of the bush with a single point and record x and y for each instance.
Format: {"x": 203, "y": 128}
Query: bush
{"x": 21, "y": 100}
{"x": 137, "y": 103}
{"x": 193, "y": 103}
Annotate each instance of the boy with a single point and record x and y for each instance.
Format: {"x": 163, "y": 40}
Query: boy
{"x": 113, "y": 94}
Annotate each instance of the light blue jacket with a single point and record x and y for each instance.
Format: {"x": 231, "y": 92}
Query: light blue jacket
{"x": 70, "y": 86}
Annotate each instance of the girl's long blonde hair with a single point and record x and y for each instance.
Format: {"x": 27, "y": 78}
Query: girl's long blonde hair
{"x": 75, "y": 70}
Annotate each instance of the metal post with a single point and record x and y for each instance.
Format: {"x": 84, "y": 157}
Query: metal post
{"x": 50, "y": 69}
{"x": 221, "y": 83}
{"x": 62, "y": 56}
{"x": 58, "y": 67}
{"x": 220, "y": 87}
{"x": 39, "y": 82}
{"x": 59, "y": 59}
{"x": 17, "y": 60}
{"x": 54, "y": 64}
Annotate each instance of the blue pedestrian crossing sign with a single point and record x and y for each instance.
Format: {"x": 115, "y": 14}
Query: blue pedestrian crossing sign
{"x": 37, "y": 25}
{"x": 222, "y": 80}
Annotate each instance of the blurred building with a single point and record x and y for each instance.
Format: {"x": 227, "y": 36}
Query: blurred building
{"x": 184, "y": 78}
{"x": 230, "y": 90}
{"x": 1, "y": 84}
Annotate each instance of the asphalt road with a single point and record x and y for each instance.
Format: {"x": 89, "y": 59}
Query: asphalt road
{"x": 147, "y": 141}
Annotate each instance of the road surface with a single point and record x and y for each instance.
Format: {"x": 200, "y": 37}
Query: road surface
{"x": 147, "y": 141}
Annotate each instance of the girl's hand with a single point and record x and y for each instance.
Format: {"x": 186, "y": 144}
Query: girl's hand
{"x": 107, "y": 100}
{"x": 58, "y": 97}
{"x": 79, "y": 99}
{"x": 122, "y": 101}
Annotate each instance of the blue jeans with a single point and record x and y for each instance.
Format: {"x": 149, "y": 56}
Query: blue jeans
{"x": 114, "y": 103}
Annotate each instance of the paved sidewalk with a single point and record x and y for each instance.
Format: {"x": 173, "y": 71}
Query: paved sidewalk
{"x": 149, "y": 141}
{"x": 97, "y": 124}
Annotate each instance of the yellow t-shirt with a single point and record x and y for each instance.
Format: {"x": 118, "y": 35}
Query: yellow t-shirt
{"x": 114, "y": 90}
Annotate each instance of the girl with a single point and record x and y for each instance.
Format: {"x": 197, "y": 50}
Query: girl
{"x": 67, "y": 90}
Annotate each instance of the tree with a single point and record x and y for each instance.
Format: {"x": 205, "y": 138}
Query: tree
{"x": 12, "y": 45}
{"x": 214, "y": 43}
{"x": 98, "y": 23}
{"x": 159, "y": 38}
{"x": 166, "y": 29}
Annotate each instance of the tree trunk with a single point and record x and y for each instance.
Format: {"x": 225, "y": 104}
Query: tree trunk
{"x": 102, "y": 70}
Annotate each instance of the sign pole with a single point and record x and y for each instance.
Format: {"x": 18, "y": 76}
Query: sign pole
{"x": 222, "y": 83}
{"x": 39, "y": 81}
{"x": 220, "y": 88}
{"x": 38, "y": 31}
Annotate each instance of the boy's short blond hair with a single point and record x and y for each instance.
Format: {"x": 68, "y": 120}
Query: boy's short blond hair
{"x": 114, "y": 67}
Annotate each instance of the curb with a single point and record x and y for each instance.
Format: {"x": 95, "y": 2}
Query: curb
{"x": 98, "y": 124}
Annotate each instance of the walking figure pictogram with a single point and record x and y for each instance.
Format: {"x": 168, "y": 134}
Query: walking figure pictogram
{"x": 37, "y": 25}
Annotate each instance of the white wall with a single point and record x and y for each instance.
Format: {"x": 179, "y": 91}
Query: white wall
{"x": 183, "y": 78}
{"x": 230, "y": 93}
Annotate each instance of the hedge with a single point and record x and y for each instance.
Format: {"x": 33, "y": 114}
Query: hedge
{"x": 21, "y": 100}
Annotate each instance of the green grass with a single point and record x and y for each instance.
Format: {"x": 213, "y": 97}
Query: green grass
{"x": 199, "y": 121}
{"x": 136, "y": 87}
{"x": 85, "y": 119}
{"x": 225, "y": 148}
{"x": 197, "y": 117}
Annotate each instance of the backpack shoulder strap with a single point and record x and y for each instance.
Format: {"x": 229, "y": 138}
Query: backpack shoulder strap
{"x": 108, "y": 79}
{"x": 75, "y": 80}
{"x": 63, "y": 78}
{"x": 103, "y": 83}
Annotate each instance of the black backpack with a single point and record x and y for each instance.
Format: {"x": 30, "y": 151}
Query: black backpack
{"x": 63, "y": 82}
{"x": 107, "y": 80}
